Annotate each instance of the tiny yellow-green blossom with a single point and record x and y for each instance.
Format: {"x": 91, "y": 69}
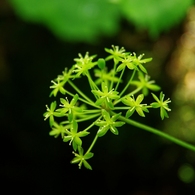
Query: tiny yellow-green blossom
{"x": 69, "y": 107}
{"x": 109, "y": 123}
{"x": 83, "y": 64}
{"x": 116, "y": 53}
{"x": 60, "y": 81}
{"x": 74, "y": 136}
{"x": 58, "y": 129}
{"x": 51, "y": 113}
{"x": 105, "y": 96}
{"x": 133, "y": 62}
{"x": 104, "y": 76}
{"x": 135, "y": 105}
{"x": 145, "y": 84}
{"x": 57, "y": 86}
{"x": 81, "y": 158}
{"x": 162, "y": 104}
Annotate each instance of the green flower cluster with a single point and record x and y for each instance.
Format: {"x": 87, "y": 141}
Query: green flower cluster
{"x": 106, "y": 107}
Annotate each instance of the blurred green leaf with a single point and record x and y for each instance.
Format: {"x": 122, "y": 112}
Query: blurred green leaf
{"x": 155, "y": 15}
{"x": 87, "y": 20}
{"x": 71, "y": 19}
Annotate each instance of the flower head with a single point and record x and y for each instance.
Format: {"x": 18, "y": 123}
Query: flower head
{"x": 133, "y": 62}
{"x": 116, "y": 53}
{"x": 73, "y": 136}
{"x": 103, "y": 76}
{"x": 135, "y": 105}
{"x": 57, "y": 87}
{"x": 81, "y": 158}
{"x": 51, "y": 113}
{"x": 60, "y": 81}
{"x": 145, "y": 84}
{"x": 162, "y": 104}
{"x": 83, "y": 64}
{"x": 105, "y": 96}
{"x": 109, "y": 123}
{"x": 58, "y": 129}
{"x": 69, "y": 107}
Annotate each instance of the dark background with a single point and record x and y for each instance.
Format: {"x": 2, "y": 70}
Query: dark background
{"x": 133, "y": 163}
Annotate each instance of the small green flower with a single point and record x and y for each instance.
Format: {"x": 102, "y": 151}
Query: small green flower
{"x": 51, "y": 113}
{"x": 116, "y": 53}
{"x": 145, "y": 83}
{"x": 73, "y": 136}
{"x": 83, "y": 64}
{"x": 127, "y": 61}
{"x": 105, "y": 96}
{"x": 66, "y": 75}
{"x": 104, "y": 76}
{"x": 81, "y": 158}
{"x": 58, "y": 129}
{"x": 57, "y": 87}
{"x": 69, "y": 107}
{"x": 135, "y": 105}
{"x": 163, "y": 105}
{"x": 109, "y": 123}
{"x": 138, "y": 61}
{"x": 133, "y": 62}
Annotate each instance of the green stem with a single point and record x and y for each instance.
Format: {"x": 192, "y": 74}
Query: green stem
{"x": 90, "y": 102}
{"x": 85, "y": 118}
{"x": 129, "y": 94}
{"x": 120, "y": 78}
{"x": 112, "y": 82}
{"x": 134, "y": 91}
{"x": 132, "y": 76}
{"x": 159, "y": 133}
{"x": 92, "y": 124}
{"x": 92, "y": 144}
{"x": 83, "y": 100}
{"x": 91, "y": 82}
{"x": 122, "y": 108}
{"x": 95, "y": 138}
{"x": 91, "y": 111}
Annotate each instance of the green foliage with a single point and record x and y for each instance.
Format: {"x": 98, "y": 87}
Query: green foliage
{"x": 155, "y": 15}
{"x": 86, "y": 20}
{"x": 71, "y": 19}
{"x": 106, "y": 111}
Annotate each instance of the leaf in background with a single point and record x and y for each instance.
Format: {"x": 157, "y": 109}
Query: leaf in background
{"x": 75, "y": 20}
{"x": 155, "y": 15}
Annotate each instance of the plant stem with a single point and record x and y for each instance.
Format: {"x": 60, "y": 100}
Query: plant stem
{"x": 158, "y": 132}
{"x": 112, "y": 82}
{"x": 85, "y": 118}
{"x": 95, "y": 138}
{"x": 91, "y": 82}
{"x": 92, "y": 144}
{"x": 129, "y": 94}
{"x": 132, "y": 76}
{"x": 90, "y": 102}
{"x": 120, "y": 78}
